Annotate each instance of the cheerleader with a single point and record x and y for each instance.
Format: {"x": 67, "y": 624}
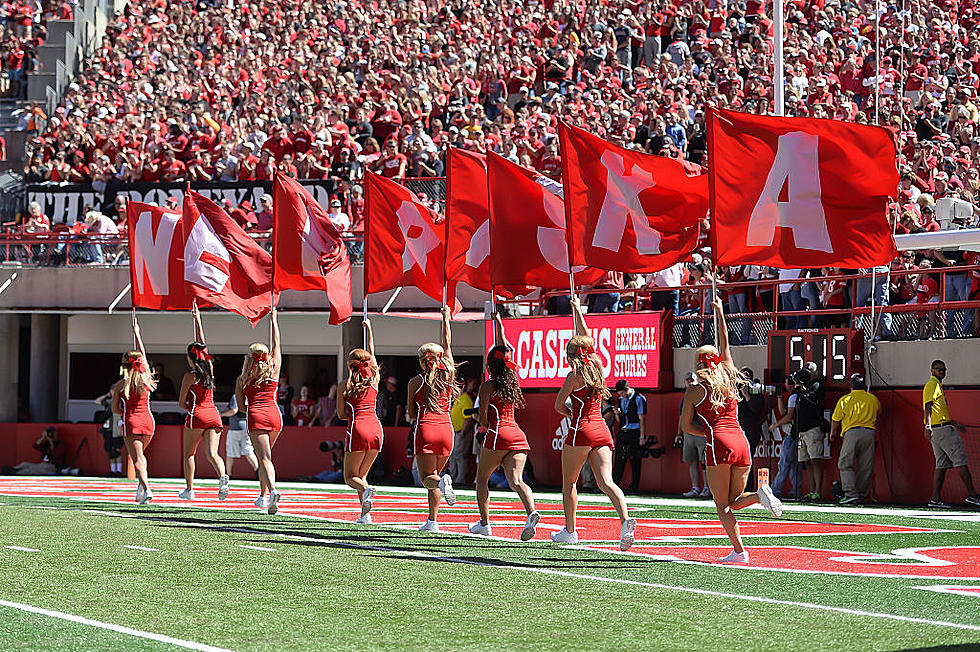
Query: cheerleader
{"x": 357, "y": 404}
{"x": 588, "y": 435}
{"x": 430, "y": 395}
{"x": 728, "y": 460}
{"x": 504, "y": 443}
{"x": 203, "y": 421}
{"x": 131, "y": 400}
{"x": 257, "y": 385}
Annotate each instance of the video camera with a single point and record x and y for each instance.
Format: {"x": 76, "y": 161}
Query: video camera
{"x": 328, "y": 446}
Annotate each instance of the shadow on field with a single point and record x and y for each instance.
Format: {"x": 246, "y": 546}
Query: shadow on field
{"x": 962, "y": 647}
{"x": 402, "y": 545}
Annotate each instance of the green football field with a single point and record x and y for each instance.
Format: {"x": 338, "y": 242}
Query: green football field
{"x": 86, "y": 569}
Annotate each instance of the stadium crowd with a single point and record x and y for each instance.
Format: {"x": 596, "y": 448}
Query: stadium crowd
{"x": 233, "y": 91}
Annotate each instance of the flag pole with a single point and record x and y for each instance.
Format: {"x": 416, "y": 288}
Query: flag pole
{"x": 878, "y": 59}
{"x": 714, "y": 293}
{"x": 133, "y": 309}
{"x": 364, "y": 316}
{"x": 777, "y": 59}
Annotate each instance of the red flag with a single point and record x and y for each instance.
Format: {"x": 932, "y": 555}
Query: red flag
{"x": 796, "y": 192}
{"x": 308, "y": 251}
{"x": 222, "y": 264}
{"x": 404, "y": 245}
{"x": 156, "y": 259}
{"x": 467, "y": 219}
{"x": 629, "y": 212}
{"x": 527, "y": 232}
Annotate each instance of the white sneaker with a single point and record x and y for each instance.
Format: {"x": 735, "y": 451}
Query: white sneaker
{"x": 480, "y": 528}
{"x": 367, "y": 501}
{"x": 446, "y": 487}
{"x": 274, "y": 502}
{"x": 140, "y": 492}
{"x": 627, "y": 537}
{"x": 147, "y": 497}
{"x": 187, "y": 494}
{"x": 364, "y": 520}
{"x": 261, "y": 502}
{"x": 693, "y": 493}
{"x": 736, "y": 558}
{"x": 769, "y": 501}
{"x": 529, "y": 526}
{"x": 706, "y": 492}
{"x": 564, "y": 536}
{"x": 429, "y": 526}
{"x": 223, "y": 487}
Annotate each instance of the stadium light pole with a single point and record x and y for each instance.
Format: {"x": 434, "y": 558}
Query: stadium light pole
{"x": 777, "y": 59}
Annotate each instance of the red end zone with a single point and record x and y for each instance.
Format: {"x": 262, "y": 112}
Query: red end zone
{"x": 507, "y": 519}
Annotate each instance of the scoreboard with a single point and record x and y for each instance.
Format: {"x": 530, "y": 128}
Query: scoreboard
{"x": 837, "y": 352}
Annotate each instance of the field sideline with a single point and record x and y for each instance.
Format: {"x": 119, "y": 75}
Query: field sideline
{"x": 85, "y": 568}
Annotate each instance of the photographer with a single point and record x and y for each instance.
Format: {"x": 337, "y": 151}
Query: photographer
{"x": 789, "y": 467}
{"x": 810, "y": 429}
{"x": 51, "y": 457}
{"x": 693, "y": 452}
{"x": 631, "y": 440}
{"x": 752, "y": 411}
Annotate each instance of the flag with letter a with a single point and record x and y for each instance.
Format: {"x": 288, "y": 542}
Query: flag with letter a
{"x": 222, "y": 264}
{"x": 798, "y": 192}
{"x": 404, "y": 245}
{"x": 156, "y": 257}
{"x": 627, "y": 211}
{"x": 308, "y": 251}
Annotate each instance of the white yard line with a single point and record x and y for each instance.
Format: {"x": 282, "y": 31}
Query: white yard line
{"x": 142, "y": 548}
{"x": 242, "y": 545}
{"x": 161, "y": 638}
{"x": 22, "y": 549}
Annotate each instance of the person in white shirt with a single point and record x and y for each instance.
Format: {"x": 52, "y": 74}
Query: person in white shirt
{"x": 672, "y": 277}
{"x": 791, "y": 297}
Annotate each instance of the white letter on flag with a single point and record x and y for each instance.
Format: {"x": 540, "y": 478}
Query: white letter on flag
{"x": 622, "y": 201}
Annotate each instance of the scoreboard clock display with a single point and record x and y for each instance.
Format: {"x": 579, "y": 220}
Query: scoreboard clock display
{"x": 837, "y": 352}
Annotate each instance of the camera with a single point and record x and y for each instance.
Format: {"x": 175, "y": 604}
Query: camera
{"x": 755, "y": 388}
{"x": 652, "y": 448}
{"x": 327, "y": 446}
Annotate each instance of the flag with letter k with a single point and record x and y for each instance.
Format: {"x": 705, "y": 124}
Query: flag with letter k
{"x": 627, "y": 211}
{"x": 800, "y": 193}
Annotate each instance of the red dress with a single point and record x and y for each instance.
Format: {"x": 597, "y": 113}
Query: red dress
{"x": 433, "y": 431}
{"x": 137, "y": 418}
{"x": 726, "y": 441}
{"x": 503, "y": 433}
{"x": 263, "y": 412}
{"x": 364, "y": 429}
{"x": 202, "y": 415}
{"x": 587, "y": 427}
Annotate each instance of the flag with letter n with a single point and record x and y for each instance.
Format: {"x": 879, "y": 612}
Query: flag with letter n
{"x": 799, "y": 192}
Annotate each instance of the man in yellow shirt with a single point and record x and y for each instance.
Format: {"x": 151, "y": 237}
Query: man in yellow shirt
{"x": 941, "y": 432}
{"x": 856, "y": 416}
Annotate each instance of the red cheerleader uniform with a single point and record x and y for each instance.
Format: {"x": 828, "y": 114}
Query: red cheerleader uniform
{"x": 434, "y": 432}
{"x": 503, "y": 433}
{"x": 587, "y": 428}
{"x": 726, "y": 440}
{"x": 364, "y": 428}
{"x": 263, "y": 412}
{"x": 137, "y": 418}
{"x": 202, "y": 415}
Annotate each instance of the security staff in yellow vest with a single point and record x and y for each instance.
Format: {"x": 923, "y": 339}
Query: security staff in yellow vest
{"x": 856, "y": 416}
{"x": 947, "y": 444}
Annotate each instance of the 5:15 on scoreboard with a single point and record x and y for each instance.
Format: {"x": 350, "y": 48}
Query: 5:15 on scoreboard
{"x": 837, "y": 352}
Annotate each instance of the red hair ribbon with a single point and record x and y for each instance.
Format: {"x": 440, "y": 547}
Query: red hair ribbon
{"x": 136, "y": 363}
{"x": 364, "y": 368}
{"x": 505, "y": 356}
{"x": 202, "y": 354}
{"x": 710, "y": 360}
{"x": 260, "y": 356}
{"x": 584, "y": 351}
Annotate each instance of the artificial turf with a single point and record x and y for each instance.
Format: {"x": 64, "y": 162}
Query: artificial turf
{"x": 330, "y": 585}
